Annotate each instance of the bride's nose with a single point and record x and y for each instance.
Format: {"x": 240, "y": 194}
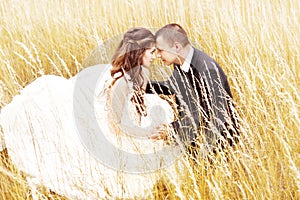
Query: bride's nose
{"x": 158, "y": 55}
{"x": 153, "y": 56}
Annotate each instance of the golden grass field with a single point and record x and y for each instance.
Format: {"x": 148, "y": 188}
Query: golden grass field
{"x": 257, "y": 43}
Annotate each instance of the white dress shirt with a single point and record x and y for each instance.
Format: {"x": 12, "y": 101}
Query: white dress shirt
{"x": 186, "y": 65}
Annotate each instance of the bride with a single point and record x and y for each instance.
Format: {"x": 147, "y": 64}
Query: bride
{"x": 88, "y": 137}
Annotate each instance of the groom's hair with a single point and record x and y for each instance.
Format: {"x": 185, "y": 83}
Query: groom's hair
{"x": 173, "y": 33}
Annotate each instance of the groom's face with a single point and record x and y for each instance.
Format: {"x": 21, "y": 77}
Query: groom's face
{"x": 165, "y": 51}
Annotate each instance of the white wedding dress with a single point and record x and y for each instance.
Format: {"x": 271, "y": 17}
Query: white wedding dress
{"x": 57, "y": 132}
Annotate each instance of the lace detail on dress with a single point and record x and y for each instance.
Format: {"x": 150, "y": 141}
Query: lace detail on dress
{"x": 132, "y": 109}
{"x": 137, "y": 97}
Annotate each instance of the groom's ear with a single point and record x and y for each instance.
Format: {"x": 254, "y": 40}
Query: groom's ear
{"x": 177, "y": 46}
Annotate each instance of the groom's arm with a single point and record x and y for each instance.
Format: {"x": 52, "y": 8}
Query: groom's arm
{"x": 183, "y": 126}
{"x": 161, "y": 88}
{"x": 156, "y": 87}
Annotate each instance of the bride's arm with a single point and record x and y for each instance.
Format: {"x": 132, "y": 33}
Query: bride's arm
{"x": 119, "y": 97}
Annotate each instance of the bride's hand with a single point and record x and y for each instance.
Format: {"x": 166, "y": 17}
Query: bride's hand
{"x": 161, "y": 132}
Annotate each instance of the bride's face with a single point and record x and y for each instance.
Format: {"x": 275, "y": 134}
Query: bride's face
{"x": 149, "y": 56}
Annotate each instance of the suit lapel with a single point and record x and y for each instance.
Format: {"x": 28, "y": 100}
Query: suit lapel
{"x": 195, "y": 58}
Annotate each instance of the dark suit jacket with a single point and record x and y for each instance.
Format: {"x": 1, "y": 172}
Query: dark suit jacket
{"x": 204, "y": 101}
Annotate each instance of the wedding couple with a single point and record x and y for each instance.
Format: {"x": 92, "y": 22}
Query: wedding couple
{"x": 203, "y": 97}
{"x": 127, "y": 123}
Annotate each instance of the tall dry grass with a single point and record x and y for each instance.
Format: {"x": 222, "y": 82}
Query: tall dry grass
{"x": 255, "y": 42}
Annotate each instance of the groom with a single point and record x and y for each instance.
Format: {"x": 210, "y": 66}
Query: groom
{"x": 203, "y": 96}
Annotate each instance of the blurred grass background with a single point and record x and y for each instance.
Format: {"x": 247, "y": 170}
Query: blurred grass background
{"x": 255, "y": 42}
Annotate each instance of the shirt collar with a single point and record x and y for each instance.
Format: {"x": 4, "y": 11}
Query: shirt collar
{"x": 187, "y": 62}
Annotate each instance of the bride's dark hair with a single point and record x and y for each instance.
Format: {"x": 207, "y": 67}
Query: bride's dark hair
{"x": 129, "y": 54}
{"x": 128, "y": 58}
